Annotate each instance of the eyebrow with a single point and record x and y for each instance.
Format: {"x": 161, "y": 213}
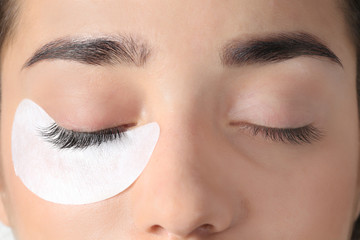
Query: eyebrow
{"x": 275, "y": 48}
{"x": 110, "y": 50}
{"x": 106, "y": 50}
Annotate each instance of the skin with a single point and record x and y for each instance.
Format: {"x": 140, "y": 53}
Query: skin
{"x": 206, "y": 179}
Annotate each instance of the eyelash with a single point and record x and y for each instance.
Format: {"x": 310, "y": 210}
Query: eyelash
{"x": 66, "y": 139}
{"x": 297, "y": 136}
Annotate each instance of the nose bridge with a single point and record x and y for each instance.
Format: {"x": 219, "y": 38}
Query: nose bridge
{"x": 179, "y": 193}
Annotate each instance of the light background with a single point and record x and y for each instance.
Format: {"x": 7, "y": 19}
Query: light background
{"x": 5, "y": 233}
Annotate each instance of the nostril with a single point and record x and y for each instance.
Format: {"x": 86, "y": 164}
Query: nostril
{"x": 205, "y": 229}
{"x": 157, "y": 229}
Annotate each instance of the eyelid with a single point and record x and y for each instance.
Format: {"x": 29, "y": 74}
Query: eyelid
{"x": 121, "y": 127}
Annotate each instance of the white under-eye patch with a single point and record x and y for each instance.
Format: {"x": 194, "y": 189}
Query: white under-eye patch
{"x": 75, "y": 175}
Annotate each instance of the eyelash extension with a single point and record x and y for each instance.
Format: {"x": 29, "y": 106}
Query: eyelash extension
{"x": 302, "y": 135}
{"x": 66, "y": 139}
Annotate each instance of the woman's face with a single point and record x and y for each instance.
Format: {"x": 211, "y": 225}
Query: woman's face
{"x": 207, "y": 80}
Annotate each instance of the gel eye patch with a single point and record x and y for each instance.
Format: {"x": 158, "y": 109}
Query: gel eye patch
{"x": 71, "y": 175}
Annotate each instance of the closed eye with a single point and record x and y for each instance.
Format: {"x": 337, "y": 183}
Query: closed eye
{"x": 65, "y": 139}
{"x": 302, "y": 135}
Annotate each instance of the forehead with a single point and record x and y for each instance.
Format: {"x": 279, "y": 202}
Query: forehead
{"x": 180, "y": 17}
{"x": 178, "y": 27}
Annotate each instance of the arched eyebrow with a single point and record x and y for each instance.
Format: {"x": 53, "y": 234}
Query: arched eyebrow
{"x": 266, "y": 49}
{"x": 274, "y": 48}
{"x": 107, "y": 50}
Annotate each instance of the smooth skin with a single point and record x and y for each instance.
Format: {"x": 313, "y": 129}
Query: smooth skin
{"x": 206, "y": 179}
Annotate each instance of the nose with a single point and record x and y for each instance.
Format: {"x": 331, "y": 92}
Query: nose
{"x": 182, "y": 193}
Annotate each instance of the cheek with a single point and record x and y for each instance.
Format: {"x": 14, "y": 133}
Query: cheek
{"x": 67, "y": 177}
{"x": 325, "y": 193}
{"x": 312, "y": 199}
{"x": 319, "y": 196}
{"x": 305, "y": 192}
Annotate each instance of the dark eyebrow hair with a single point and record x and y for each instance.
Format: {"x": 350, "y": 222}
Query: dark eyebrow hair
{"x": 104, "y": 50}
{"x": 275, "y": 48}
{"x": 94, "y": 51}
